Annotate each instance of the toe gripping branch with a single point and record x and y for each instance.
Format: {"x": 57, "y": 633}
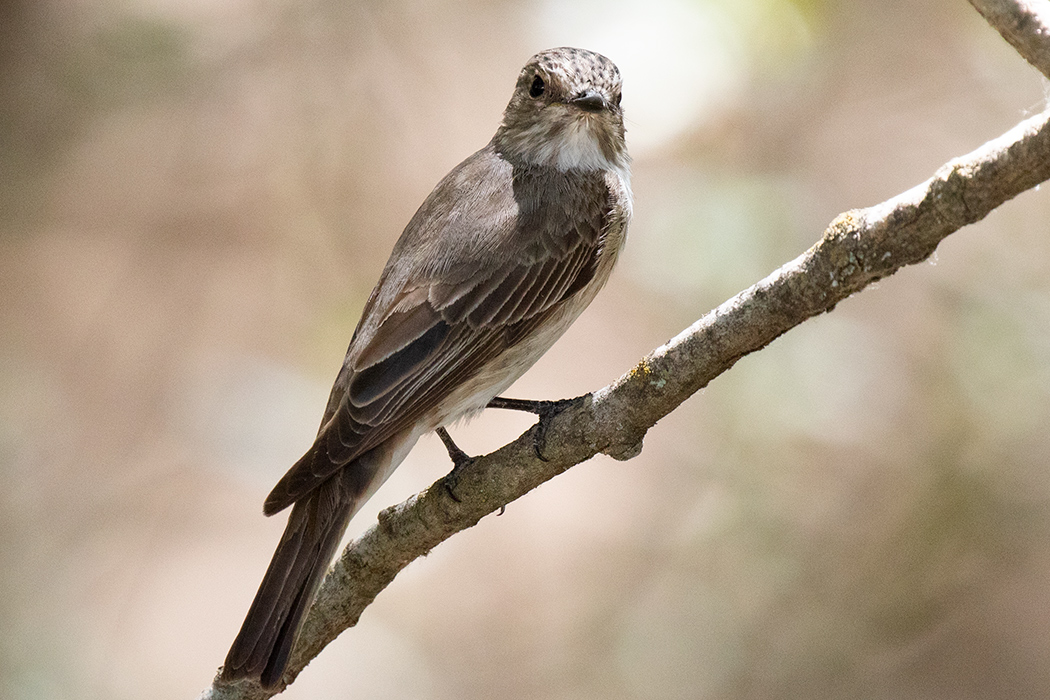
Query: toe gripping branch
{"x": 546, "y": 410}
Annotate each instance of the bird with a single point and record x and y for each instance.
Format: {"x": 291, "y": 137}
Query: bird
{"x": 502, "y": 256}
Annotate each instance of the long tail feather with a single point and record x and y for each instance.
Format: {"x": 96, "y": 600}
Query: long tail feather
{"x": 315, "y": 527}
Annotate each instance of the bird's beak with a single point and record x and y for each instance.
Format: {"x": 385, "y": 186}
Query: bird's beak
{"x": 589, "y": 101}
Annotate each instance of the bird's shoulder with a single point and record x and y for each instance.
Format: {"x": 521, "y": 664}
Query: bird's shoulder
{"x": 488, "y": 214}
{"x": 489, "y": 210}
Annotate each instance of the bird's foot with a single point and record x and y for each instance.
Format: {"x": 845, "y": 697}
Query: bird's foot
{"x": 546, "y": 410}
{"x": 460, "y": 460}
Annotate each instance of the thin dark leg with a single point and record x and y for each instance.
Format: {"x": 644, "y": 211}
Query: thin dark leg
{"x": 540, "y": 408}
{"x": 458, "y": 456}
{"x": 460, "y": 459}
{"x": 546, "y": 410}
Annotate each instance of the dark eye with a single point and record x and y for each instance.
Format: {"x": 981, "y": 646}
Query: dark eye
{"x": 537, "y": 87}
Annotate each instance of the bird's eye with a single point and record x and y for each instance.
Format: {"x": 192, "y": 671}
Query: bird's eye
{"x": 537, "y": 87}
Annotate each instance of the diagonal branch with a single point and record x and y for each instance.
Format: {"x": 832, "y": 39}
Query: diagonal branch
{"x": 1023, "y": 23}
{"x": 858, "y": 248}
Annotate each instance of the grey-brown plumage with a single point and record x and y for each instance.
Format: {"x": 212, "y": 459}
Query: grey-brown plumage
{"x": 500, "y": 259}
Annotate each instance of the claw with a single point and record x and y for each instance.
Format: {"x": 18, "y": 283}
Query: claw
{"x": 450, "y": 482}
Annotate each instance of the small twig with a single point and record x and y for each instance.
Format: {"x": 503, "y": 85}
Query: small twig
{"x": 1023, "y": 23}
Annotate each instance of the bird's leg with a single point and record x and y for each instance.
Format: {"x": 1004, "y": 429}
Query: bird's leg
{"x": 460, "y": 459}
{"x": 546, "y": 410}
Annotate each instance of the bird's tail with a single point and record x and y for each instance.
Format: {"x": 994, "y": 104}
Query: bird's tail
{"x": 315, "y": 527}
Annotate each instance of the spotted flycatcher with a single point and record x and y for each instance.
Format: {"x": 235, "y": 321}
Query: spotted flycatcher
{"x": 505, "y": 253}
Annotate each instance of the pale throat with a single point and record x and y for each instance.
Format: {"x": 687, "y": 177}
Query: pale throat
{"x": 576, "y": 146}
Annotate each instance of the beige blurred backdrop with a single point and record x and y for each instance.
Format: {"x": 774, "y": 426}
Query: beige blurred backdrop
{"x": 196, "y": 197}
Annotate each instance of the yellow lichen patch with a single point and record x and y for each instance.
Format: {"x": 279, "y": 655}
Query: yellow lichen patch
{"x": 643, "y": 369}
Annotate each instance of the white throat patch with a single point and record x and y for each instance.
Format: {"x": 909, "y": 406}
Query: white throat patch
{"x": 575, "y": 147}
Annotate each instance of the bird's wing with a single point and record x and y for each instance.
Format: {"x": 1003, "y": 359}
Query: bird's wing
{"x": 425, "y": 333}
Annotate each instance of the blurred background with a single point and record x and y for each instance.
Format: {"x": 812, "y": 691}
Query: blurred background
{"x": 197, "y": 196}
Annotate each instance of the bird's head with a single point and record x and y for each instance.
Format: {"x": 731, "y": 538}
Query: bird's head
{"x": 565, "y": 113}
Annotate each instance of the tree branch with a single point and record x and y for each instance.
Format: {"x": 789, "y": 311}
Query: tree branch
{"x": 1023, "y": 23}
{"x": 858, "y": 248}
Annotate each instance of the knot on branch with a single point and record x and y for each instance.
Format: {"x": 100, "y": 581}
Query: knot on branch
{"x": 623, "y": 451}
{"x": 948, "y": 194}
